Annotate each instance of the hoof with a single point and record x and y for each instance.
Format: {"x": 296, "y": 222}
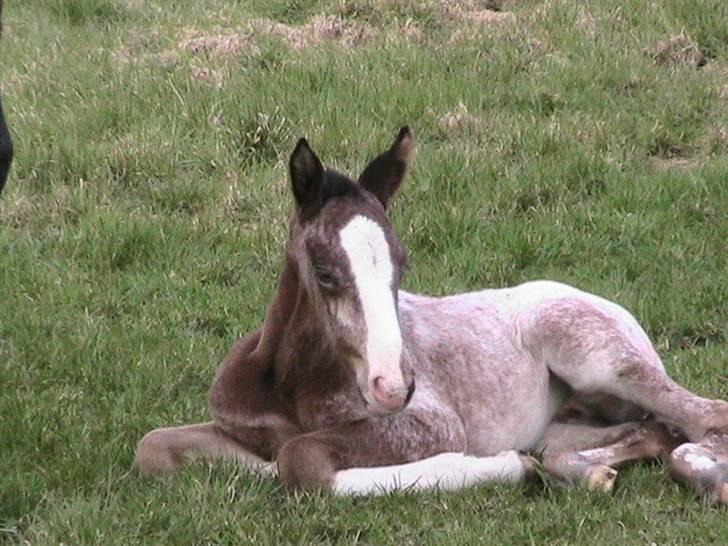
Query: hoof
{"x": 723, "y": 497}
{"x": 601, "y": 478}
{"x": 531, "y": 468}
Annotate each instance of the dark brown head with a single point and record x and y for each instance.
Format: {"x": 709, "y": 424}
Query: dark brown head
{"x": 350, "y": 263}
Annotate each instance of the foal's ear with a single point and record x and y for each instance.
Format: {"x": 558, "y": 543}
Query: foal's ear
{"x": 385, "y": 173}
{"x": 307, "y": 176}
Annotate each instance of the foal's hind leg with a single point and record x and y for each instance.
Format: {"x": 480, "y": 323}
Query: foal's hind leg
{"x": 704, "y": 467}
{"x": 583, "y": 454}
{"x": 599, "y": 348}
{"x": 164, "y": 450}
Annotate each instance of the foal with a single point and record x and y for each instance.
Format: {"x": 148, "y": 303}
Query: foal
{"x": 326, "y": 387}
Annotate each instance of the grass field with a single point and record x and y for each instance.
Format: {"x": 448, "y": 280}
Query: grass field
{"x": 142, "y": 227}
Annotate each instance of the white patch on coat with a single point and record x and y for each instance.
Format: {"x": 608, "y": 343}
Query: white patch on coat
{"x": 447, "y": 471}
{"x": 699, "y": 462}
{"x": 695, "y": 456}
{"x": 366, "y": 247}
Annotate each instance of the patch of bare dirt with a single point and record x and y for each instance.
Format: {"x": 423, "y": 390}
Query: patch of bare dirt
{"x": 678, "y": 50}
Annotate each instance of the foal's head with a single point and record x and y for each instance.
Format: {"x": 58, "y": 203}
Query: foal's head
{"x": 351, "y": 263}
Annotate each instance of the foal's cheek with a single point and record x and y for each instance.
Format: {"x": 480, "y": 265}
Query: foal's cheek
{"x": 349, "y": 321}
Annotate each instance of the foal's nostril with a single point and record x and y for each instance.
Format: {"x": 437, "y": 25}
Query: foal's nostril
{"x": 385, "y": 394}
{"x": 378, "y": 387}
{"x": 410, "y": 392}
{"x": 389, "y": 398}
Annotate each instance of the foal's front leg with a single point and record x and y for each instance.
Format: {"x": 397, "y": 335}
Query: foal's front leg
{"x": 164, "y": 450}
{"x": 405, "y": 451}
{"x": 448, "y": 471}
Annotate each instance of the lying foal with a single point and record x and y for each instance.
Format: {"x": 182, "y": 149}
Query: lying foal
{"x": 326, "y": 387}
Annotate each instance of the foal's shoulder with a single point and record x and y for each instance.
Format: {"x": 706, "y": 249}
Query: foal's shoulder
{"x": 243, "y": 392}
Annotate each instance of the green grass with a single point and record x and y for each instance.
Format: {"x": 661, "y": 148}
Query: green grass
{"x": 142, "y": 228}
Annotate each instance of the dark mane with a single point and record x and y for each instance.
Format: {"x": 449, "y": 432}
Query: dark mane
{"x": 340, "y": 185}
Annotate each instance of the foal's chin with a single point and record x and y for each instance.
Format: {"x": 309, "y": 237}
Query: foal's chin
{"x": 376, "y": 409}
{"x": 393, "y": 403}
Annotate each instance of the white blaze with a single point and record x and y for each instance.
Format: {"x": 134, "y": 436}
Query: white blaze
{"x": 371, "y": 265}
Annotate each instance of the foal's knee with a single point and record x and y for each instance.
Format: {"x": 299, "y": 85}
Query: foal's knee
{"x": 155, "y": 456}
{"x": 304, "y": 463}
{"x": 717, "y": 421}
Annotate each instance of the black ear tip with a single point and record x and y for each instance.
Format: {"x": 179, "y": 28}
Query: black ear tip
{"x": 302, "y": 143}
{"x": 302, "y": 152}
{"x": 404, "y": 146}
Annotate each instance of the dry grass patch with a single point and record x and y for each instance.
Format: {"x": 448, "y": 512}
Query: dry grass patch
{"x": 470, "y": 11}
{"x": 319, "y": 29}
{"x": 456, "y": 120}
{"x": 217, "y": 45}
{"x": 666, "y": 164}
{"x": 17, "y": 209}
{"x": 209, "y": 75}
{"x": 678, "y": 50}
{"x": 471, "y": 19}
{"x": 716, "y": 140}
{"x": 227, "y": 44}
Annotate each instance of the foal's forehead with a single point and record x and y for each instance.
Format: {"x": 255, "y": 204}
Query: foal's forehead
{"x": 369, "y": 238}
{"x": 339, "y": 212}
{"x": 362, "y": 223}
{"x": 351, "y": 212}
{"x": 368, "y": 252}
{"x": 353, "y": 226}
{"x": 363, "y": 234}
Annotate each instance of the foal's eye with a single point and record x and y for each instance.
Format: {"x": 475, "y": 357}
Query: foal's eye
{"x": 325, "y": 278}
